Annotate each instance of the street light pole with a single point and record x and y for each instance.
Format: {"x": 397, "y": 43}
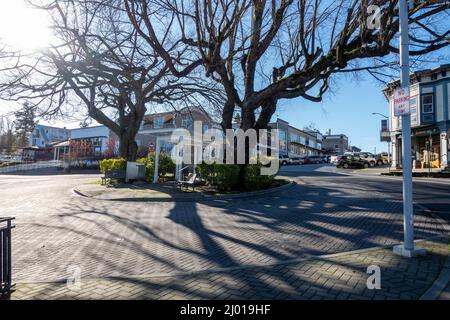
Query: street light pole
{"x": 389, "y": 129}
{"x": 407, "y": 248}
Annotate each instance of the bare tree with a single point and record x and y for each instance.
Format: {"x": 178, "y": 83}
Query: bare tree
{"x": 101, "y": 65}
{"x": 264, "y": 51}
{"x": 7, "y": 137}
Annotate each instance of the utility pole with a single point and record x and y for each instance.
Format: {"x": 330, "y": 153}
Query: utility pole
{"x": 407, "y": 248}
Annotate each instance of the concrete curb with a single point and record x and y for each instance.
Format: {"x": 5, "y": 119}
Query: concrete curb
{"x": 439, "y": 284}
{"x": 443, "y": 279}
{"x": 196, "y": 197}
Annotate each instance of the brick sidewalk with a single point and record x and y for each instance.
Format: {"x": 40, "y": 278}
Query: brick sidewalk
{"x": 338, "y": 276}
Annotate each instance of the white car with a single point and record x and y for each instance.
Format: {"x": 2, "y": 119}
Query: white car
{"x": 369, "y": 157}
{"x": 284, "y": 159}
{"x": 334, "y": 159}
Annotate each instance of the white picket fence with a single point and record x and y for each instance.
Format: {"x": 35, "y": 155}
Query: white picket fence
{"x": 32, "y": 166}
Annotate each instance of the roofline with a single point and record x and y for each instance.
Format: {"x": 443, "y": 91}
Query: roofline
{"x": 52, "y": 127}
{"x": 89, "y": 127}
{"x": 415, "y": 74}
{"x": 180, "y": 111}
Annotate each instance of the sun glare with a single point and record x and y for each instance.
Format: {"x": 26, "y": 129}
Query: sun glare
{"x": 23, "y": 27}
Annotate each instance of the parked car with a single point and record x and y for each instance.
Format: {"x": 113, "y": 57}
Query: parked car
{"x": 316, "y": 159}
{"x": 382, "y": 158}
{"x": 284, "y": 159}
{"x": 369, "y": 157}
{"x": 334, "y": 159}
{"x": 352, "y": 162}
{"x": 296, "y": 160}
{"x": 306, "y": 160}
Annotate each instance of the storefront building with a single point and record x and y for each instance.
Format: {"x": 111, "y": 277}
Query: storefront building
{"x": 294, "y": 142}
{"x": 430, "y": 119}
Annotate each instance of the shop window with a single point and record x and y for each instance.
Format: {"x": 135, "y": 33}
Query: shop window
{"x": 427, "y": 103}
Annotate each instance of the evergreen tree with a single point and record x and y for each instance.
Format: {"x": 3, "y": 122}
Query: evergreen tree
{"x": 25, "y": 123}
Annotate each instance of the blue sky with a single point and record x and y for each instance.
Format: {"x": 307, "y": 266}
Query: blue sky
{"x": 347, "y": 110}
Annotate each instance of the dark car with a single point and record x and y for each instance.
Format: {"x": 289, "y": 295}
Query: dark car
{"x": 352, "y": 162}
{"x": 316, "y": 159}
{"x": 306, "y": 160}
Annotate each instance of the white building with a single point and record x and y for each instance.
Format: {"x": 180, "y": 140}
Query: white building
{"x": 430, "y": 118}
{"x": 45, "y": 136}
{"x": 97, "y": 137}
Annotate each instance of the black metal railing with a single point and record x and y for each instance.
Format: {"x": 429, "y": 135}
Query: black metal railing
{"x": 5, "y": 254}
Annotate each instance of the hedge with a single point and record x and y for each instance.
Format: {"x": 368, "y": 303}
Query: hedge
{"x": 113, "y": 164}
{"x": 166, "y": 165}
{"x": 254, "y": 180}
{"x": 224, "y": 176}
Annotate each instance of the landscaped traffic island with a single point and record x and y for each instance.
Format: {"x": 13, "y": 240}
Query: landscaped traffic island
{"x": 208, "y": 178}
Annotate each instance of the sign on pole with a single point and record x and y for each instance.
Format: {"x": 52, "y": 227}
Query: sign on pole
{"x": 401, "y": 102}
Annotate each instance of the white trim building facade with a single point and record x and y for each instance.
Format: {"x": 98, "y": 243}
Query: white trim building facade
{"x": 430, "y": 119}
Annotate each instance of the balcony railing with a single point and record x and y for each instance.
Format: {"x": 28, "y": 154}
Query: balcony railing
{"x": 151, "y": 126}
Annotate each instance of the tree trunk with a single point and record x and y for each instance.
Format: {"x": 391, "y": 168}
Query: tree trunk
{"x": 247, "y": 122}
{"x": 248, "y": 118}
{"x": 227, "y": 115}
{"x": 127, "y": 146}
{"x": 267, "y": 110}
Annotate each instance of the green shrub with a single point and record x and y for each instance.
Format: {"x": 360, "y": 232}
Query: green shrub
{"x": 253, "y": 178}
{"x": 166, "y": 165}
{"x": 113, "y": 164}
{"x": 224, "y": 176}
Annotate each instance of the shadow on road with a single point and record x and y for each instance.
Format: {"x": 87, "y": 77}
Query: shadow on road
{"x": 122, "y": 239}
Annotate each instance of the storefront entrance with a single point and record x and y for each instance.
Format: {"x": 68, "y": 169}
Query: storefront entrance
{"x": 428, "y": 152}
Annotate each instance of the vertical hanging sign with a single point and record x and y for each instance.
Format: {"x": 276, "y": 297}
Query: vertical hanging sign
{"x": 401, "y": 102}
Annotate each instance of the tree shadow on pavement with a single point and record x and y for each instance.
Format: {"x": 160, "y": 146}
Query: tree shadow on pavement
{"x": 112, "y": 239}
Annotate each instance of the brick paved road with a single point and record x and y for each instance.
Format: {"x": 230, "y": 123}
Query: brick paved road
{"x": 328, "y": 277}
{"x": 325, "y": 213}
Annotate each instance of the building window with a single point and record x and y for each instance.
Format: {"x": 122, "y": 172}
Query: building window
{"x": 427, "y": 103}
{"x": 282, "y": 138}
{"x": 187, "y": 123}
{"x": 293, "y": 137}
{"x": 97, "y": 151}
{"x": 158, "y": 122}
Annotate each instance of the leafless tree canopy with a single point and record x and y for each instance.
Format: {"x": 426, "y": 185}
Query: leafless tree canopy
{"x": 102, "y": 63}
{"x": 117, "y": 57}
{"x": 264, "y": 51}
